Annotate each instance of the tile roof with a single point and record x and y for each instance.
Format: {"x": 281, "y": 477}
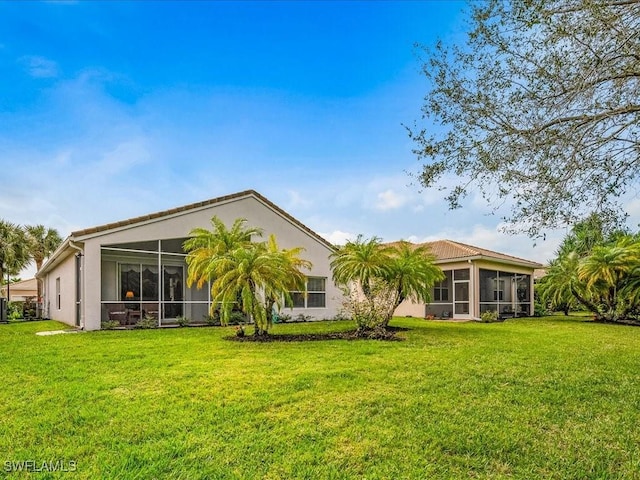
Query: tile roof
{"x": 450, "y": 250}
{"x": 193, "y": 206}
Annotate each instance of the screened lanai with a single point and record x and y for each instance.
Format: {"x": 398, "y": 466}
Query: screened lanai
{"x": 148, "y": 280}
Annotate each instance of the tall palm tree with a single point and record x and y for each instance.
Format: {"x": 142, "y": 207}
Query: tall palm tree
{"x": 255, "y": 275}
{"x": 606, "y": 271}
{"x": 362, "y": 262}
{"x": 561, "y": 283}
{"x": 205, "y": 247}
{"x": 413, "y": 273}
{"x": 14, "y": 250}
{"x": 42, "y": 242}
{"x": 290, "y": 269}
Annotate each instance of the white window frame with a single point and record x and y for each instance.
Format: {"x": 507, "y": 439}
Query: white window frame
{"x": 58, "y": 295}
{"x": 305, "y": 295}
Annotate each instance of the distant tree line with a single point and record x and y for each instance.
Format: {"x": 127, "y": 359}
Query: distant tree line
{"x": 22, "y": 244}
{"x": 597, "y": 268}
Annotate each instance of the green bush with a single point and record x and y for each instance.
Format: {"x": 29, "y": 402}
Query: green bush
{"x": 183, "y": 321}
{"x": 212, "y": 319}
{"x": 489, "y": 316}
{"x": 110, "y": 324}
{"x": 147, "y": 322}
{"x": 237, "y": 318}
{"x": 303, "y": 318}
{"x": 14, "y": 310}
{"x": 539, "y": 309}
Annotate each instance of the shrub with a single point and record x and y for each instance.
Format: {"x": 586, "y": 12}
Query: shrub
{"x": 147, "y": 322}
{"x": 110, "y": 324}
{"x": 212, "y": 319}
{"x": 237, "y": 318}
{"x": 489, "y": 316}
{"x": 284, "y": 317}
{"x": 14, "y": 310}
{"x": 539, "y": 309}
{"x": 183, "y": 321}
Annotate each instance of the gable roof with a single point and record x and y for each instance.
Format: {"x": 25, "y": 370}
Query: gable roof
{"x": 69, "y": 246}
{"x": 448, "y": 250}
{"x": 22, "y": 285}
{"x": 198, "y": 205}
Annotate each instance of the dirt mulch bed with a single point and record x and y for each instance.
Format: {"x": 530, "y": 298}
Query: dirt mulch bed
{"x": 388, "y": 335}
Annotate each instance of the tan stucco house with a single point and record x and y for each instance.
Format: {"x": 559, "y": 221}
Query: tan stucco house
{"x": 476, "y": 280}
{"x": 136, "y": 267}
{"x": 125, "y": 270}
{"x": 21, "y": 291}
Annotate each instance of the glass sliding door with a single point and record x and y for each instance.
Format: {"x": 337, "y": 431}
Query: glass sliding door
{"x": 150, "y": 291}
{"x": 173, "y": 291}
{"x": 461, "y": 279}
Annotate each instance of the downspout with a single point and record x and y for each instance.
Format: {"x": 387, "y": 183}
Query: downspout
{"x": 80, "y": 254}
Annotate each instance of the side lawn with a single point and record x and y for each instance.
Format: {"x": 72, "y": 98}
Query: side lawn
{"x": 527, "y": 398}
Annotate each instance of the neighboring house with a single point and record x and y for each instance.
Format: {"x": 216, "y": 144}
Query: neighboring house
{"x": 20, "y": 291}
{"x": 476, "y": 280}
{"x": 136, "y": 267}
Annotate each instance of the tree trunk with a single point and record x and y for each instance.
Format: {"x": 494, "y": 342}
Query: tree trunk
{"x": 589, "y": 305}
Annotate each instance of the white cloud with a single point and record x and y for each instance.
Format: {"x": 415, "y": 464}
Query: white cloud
{"x": 338, "y": 237}
{"x": 390, "y": 200}
{"x": 297, "y": 200}
{"x": 40, "y": 67}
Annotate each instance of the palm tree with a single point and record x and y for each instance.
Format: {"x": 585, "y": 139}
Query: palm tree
{"x": 290, "y": 269}
{"x": 205, "y": 247}
{"x": 255, "y": 275}
{"x": 413, "y": 273}
{"x": 260, "y": 278}
{"x": 361, "y": 262}
{"x": 561, "y": 283}
{"x": 14, "y": 251}
{"x": 42, "y": 242}
{"x": 606, "y": 271}
{"x": 386, "y": 275}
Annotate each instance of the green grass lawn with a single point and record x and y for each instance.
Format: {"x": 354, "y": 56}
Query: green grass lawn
{"x": 550, "y": 398}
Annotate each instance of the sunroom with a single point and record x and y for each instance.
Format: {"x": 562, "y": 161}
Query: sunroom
{"x": 148, "y": 280}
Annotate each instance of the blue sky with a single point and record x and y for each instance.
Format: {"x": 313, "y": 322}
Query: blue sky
{"x": 116, "y": 109}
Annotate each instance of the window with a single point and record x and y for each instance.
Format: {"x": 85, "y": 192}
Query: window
{"x": 462, "y": 274}
{"x": 498, "y": 290}
{"x": 316, "y": 294}
{"x": 441, "y": 291}
{"x": 138, "y": 282}
{"x": 58, "y": 298}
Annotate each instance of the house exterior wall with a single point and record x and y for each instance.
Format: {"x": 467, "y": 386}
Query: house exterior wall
{"x": 410, "y": 309}
{"x": 65, "y": 271}
{"x": 179, "y": 225}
